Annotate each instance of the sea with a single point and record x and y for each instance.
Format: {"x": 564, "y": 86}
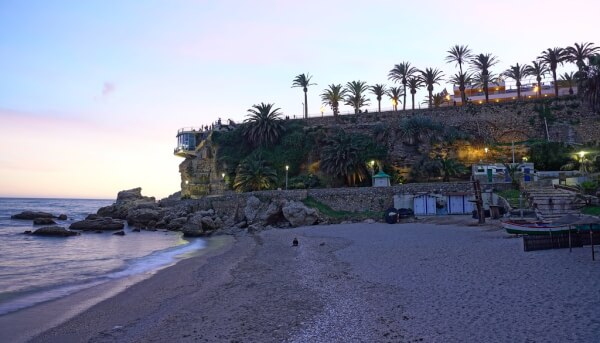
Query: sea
{"x": 35, "y": 269}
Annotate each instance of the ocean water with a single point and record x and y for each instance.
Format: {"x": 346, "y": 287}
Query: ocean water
{"x": 36, "y": 269}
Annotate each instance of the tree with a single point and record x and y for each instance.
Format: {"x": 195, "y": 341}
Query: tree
{"x": 253, "y": 174}
{"x": 332, "y": 96}
{"x": 549, "y": 155}
{"x": 401, "y": 73}
{"x": 263, "y": 125}
{"x": 590, "y": 84}
{"x": 341, "y": 157}
{"x": 461, "y": 79}
{"x": 355, "y": 95}
{"x": 579, "y": 53}
{"x": 414, "y": 83}
{"x": 551, "y": 58}
{"x": 568, "y": 80}
{"x": 482, "y": 63}
{"x": 513, "y": 172}
{"x": 516, "y": 73}
{"x": 431, "y": 77}
{"x": 394, "y": 93}
{"x": 460, "y": 54}
{"x": 303, "y": 81}
{"x": 378, "y": 90}
{"x": 538, "y": 70}
{"x": 451, "y": 168}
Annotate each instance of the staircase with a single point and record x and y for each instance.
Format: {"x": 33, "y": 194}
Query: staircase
{"x": 551, "y": 203}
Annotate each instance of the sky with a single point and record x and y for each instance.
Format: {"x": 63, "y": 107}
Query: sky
{"x": 92, "y": 92}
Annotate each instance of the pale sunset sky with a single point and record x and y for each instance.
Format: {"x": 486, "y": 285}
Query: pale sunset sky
{"x": 92, "y": 92}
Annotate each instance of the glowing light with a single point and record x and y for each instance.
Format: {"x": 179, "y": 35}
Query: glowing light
{"x": 287, "y": 168}
{"x": 525, "y": 158}
{"x": 186, "y": 182}
{"x": 581, "y": 154}
{"x": 223, "y": 175}
{"x": 486, "y": 150}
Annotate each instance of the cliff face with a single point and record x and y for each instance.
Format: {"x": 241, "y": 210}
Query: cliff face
{"x": 200, "y": 175}
{"x": 562, "y": 120}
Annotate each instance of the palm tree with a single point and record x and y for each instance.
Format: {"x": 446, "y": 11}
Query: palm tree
{"x": 482, "y": 63}
{"x": 579, "y": 53}
{"x": 538, "y": 70}
{"x": 460, "y": 54}
{"x": 378, "y": 90}
{"x": 590, "y": 82}
{"x": 516, "y": 73}
{"x": 263, "y": 125}
{"x": 341, "y": 157}
{"x": 395, "y": 93}
{"x": 332, "y": 96}
{"x": 414, "y": 83}
{"x": 451, "y": 167}
{"x": 303, "y": 80}
{"x": 254, "y": 175}
{"x": 461, "y": 79}
{"x": 431, "y": 77}
{"x": 568, "y": 79}
{"x": 400, "y": 73}
{"x": 355, "y": 94}
{"x": 551, "y": 58}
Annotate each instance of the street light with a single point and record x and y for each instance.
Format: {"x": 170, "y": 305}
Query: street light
{"x": 582, "y": 158}
{"x": 486, "y": 151}
{"x": 287, "y": 168}
{"x": 372, "y": 164}
{"x": 322, "y": 110}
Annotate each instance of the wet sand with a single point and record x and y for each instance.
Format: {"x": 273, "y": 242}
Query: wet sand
{"x": 357, "y": 283}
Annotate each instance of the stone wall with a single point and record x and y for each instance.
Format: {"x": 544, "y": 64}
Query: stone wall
{"x": 356, "y": 199}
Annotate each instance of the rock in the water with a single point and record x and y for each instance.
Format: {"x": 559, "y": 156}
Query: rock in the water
{"x": 43, "y": 221}
{"x": 104, "y": 224}
{"x": 119, "y": 233}
{"x": 30, "y": 215}
{"x": 126, "y": 200}
{"x": 143, "y": 216}
{"x": 27, "y": 232}
{"x": 62, "y": 217}
{"x": 57, "y": 231}
{"x": 298, "y": 214}
{"x": 177, "y": 223}
{"x": 92, "y": 216}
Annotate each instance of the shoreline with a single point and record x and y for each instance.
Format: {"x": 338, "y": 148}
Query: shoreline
{"x": 356, "y": 282}
{"x": 26, "y": 323}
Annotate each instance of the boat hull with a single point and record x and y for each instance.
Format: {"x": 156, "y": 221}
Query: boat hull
{"x": 519, "y": 228}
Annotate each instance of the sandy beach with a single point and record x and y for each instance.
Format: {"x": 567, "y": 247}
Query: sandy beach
{"x": 441, "y": 281}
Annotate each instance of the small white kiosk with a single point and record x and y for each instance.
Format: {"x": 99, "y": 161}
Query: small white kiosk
{"x": 381, "y": 179}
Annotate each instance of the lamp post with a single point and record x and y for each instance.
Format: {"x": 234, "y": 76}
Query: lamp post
{"x": 581, "y": 159}
{"x": 322, "y": 110}
{"x": 372, "y": 164}
{"x": 486, "y": 151}
{"x": 287, "y": 168}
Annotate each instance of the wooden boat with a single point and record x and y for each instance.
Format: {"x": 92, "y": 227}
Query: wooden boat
{"x": 524, "y": 227}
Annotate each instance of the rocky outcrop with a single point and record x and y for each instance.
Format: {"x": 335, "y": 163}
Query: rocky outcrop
{"x": 30, "y": 215}
{"x": 126, "y": 200}
{"x": 201, "y": 224}
{"x": 144, "y": 216}
{"x": 56, "y": 231}
{"x": 297, "y": 214}
{"x": 43, "y": 221}
{"x": 62, "y": 217}
{"x": 98, "y": 224}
